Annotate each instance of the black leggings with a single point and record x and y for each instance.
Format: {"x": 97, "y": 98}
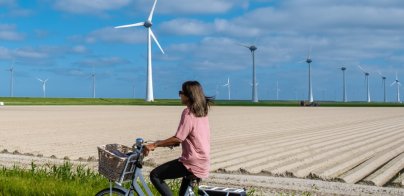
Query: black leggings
{"x": 170, "y": 170}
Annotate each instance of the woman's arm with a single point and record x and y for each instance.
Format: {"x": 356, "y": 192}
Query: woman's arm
{"x": 172, "y": 141}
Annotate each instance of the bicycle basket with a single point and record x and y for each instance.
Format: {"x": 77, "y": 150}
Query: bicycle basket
{"x": 112, "y": 162}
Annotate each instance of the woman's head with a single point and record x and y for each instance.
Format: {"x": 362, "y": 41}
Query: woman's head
{"x": 192, "y": 95}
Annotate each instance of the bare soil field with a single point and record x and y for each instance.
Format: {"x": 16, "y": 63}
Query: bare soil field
{"x": 360, "y": 149}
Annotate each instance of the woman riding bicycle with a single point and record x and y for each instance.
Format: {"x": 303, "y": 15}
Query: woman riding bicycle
{"x": 193, "y": 134}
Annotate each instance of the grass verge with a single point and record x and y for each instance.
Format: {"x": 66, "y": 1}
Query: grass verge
{"x": 64, "y": 179}
{"x": 50, "y": 180}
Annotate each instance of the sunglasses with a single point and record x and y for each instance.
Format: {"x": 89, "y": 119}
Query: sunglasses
{"x": 180, "y": 92}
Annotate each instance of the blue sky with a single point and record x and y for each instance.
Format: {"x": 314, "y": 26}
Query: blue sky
{"x": 66, "y": 40}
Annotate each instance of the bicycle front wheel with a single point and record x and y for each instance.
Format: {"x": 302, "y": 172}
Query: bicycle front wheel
{"x": 108, "y": 191}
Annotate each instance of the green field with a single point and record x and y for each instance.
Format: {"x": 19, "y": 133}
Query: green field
{"x": 175, "y": 102}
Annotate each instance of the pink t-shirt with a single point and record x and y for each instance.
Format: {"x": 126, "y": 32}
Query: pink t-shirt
{"x": 194, "y": 132}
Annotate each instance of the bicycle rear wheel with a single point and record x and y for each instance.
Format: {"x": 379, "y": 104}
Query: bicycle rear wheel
{"x": 107, "y": 192}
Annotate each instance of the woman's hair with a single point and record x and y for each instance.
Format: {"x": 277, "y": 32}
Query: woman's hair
{"x": 198, "y": 103}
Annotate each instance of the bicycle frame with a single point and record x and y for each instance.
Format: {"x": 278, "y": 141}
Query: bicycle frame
{"x": 133, "y": 165}
{"x": 135, "y": 185}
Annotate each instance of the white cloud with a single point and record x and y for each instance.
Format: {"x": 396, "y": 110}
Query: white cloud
{"x": 191, "y": 7}
{"x": 8, "y": 32}
{"x": 30, "y": 53}
{"x": 103, "y": 61}
{"x": 79, "y": 49}
{"x": 8, "y": 3}
{"x": 182, "y": 26}
{"x": 89, "y": 6}
{"x": 5, "y": 53}
{"x": 110, "y": 34}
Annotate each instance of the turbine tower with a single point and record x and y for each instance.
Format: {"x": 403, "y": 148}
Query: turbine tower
{"x": 384, "y": 86}
{"x": 43, "y": 86}
{"x": 228, "y": 86}
{"x": 308, "y": 61}
{"x": 344, "y": 99}
{"x": 253, "y": 48}
{"x": 397, "y": 82}
{"x": 11, "y": 70}
{"x": 93, "y": 77}
{"x": 277, "y": 90}
{"x": 367, "y": 83}
{"x": 150, "y": 34}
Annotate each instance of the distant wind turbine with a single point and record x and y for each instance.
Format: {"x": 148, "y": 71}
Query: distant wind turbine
{"x": 308, "y": 60}
{"x": 384, "y": 86}
{"x": 277, "y": 90}
{"x": 228, "y": 86}
{"x": 344, "y": 97}
{"x": 150, "y": 34}
{"x": 397, "y": 82}
{"x": 93, "y": 77}
{"x": 253, "y": 48}
{"x": 11, "y": 70}
{"x": 43, "y": 86}
{"x": 367, "y": 82}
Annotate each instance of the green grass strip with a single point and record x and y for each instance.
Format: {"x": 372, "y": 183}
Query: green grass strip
{"x": 176, "y": 102}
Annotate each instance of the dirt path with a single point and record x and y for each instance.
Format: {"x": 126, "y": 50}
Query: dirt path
{"x": 354, "y": 145}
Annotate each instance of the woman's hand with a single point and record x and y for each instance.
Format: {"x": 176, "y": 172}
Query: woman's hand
{"x": 148, "y": 148}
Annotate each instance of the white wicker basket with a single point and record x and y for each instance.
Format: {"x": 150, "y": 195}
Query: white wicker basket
{"x": 112, "y": 161}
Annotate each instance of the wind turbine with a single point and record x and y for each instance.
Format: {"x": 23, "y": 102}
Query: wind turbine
{"x": 367, "y": 82}
{"x": 228, "y": 86}
{"x": 309, "y": 61}
{"x": 253, "y": 48}
{"x": 277, "y": 90}
{"x": 398, "y": 88}
{"x": 43, "y": 86}
{"x": 344, "y": 99}
{"x": 384, "y": 86}
{"x": 150, "y": 34}
{"x": 93, "y": 77}
{"x": 11, "y": 70}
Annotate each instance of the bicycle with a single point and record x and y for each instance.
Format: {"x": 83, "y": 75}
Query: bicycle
{"x": 131, "y": 171}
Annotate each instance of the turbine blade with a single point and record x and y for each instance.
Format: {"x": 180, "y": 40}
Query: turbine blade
{"x": 150, "y": 18}
{"x": 360, "y": 67}
{"x": 393, "y": 83}
{"x": 39, "y": 79}
{"x": 396, "y": 76}
{"x": 302, "y": 61}
{"x": 130, "y": 25}
{"x": 380, "y": 73}
{"x": 157, "y": 42}
{"x": 244, "y": 45}
{"x": 309, "y": 53}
